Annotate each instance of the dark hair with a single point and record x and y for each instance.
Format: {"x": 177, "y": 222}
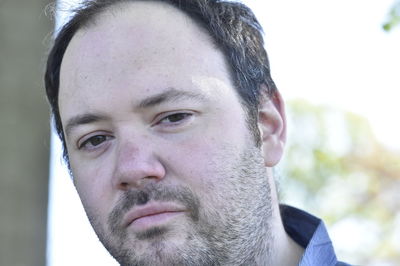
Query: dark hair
{"x": 233, "y": 27}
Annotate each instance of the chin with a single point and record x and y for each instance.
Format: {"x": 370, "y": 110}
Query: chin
{"x": 154, "y": 246}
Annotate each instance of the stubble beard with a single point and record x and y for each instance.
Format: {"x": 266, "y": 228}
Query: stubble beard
{"x": 236, "y": 232}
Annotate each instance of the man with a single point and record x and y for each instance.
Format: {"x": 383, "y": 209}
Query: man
{"x": 171, "y": 126}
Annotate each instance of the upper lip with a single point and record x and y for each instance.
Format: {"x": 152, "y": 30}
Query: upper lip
{"x": 151, "y": 208}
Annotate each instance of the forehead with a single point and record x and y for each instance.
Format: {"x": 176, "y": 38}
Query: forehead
{"x": 137, "y": 37}
{"x": 140, "y": 25}
{"x": 138, "y": 33}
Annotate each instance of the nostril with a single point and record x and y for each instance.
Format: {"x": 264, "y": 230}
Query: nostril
{"x": 124, "y": 185}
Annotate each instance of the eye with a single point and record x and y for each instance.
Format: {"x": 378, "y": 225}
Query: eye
{"x": 93, "y": 142}
{"x": 175, "y": 119}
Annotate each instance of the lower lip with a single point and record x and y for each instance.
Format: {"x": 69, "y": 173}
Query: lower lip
{"x": 159, "y": 219}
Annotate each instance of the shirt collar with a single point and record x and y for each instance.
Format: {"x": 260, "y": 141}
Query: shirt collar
{"x": 310, "y": 233}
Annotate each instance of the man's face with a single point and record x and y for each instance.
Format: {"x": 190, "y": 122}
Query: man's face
{"x": 162, "y": 158}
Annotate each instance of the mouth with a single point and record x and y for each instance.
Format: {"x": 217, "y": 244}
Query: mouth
{"x": 151, "y": 215}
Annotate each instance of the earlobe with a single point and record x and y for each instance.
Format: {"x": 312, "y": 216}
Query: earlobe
{"x": 272, "y": 126}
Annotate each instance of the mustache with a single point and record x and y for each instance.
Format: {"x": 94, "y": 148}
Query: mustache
{"x": 155, "y": 192}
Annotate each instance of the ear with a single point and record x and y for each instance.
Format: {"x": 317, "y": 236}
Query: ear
{"x": 272, "y": 126}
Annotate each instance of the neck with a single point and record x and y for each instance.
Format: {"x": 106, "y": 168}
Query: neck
{"x": 269, "y": 246}
{"x": 285, "y": 250}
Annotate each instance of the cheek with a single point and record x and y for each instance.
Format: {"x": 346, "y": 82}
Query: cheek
{"x": 202, "y": 163}
{"x": 91, "y": 184}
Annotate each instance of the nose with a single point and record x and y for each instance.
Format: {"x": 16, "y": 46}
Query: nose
{"x": 136, "y": 165}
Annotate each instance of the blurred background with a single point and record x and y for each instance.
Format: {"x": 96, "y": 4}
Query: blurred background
{"x": 335, "y": 62}
{"x": 24, "y": 133}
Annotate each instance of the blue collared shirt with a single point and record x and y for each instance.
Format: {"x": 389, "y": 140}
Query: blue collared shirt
{"x": 309, "y": 232}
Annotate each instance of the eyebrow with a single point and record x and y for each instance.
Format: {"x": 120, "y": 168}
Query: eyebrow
{"x": 83, "y": 120}
{"x": 170, "y": 95}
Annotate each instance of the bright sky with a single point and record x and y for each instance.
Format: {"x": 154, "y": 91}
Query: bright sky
{"x": 327, "y": 52}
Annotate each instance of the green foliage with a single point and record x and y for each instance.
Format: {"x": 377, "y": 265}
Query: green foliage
{"x": 393, "y": 17}
{"x": 337, "y": 169}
